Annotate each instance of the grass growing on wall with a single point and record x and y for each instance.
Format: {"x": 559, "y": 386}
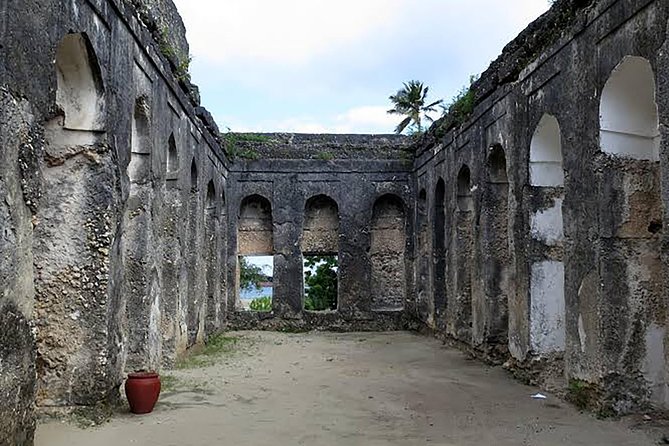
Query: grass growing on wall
{"x": 233, "y": 141}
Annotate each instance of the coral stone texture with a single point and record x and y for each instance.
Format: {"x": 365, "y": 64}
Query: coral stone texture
{"x": 528, "y": 229}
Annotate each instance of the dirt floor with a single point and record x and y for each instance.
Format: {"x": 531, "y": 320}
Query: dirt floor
{"x": 346, "y": 389}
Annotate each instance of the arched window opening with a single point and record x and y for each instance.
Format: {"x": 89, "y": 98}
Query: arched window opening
{"x": 320, "y": 251}
{"x": 497, "y": 165}
{"x": 80, "y": 93}
{"x": 387, "y": 254}
{"x": 629, "y": 120}
{"x": 139, "y": 168}
{"x": 255, "y": 246}
{"x": 465, "y": 199}
{"x": 172, "y": 159}
{"x": 546, "y": 154}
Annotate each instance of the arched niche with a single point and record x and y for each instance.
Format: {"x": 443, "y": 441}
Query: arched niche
{"x": 629, "y": 121}
{"x": 210, "y": 202}
{"x": 211, "y": 250}
{"x": 546, "y": 154}
{"x": 223, "y": 203}
{"x": 255, "y": 233}
{"x": 422, "y": 266}
{"x": 139, "y": 168}
{"x": 320, "y": 253}
{"x": 489, "y": 286}
{"x": 465, "y": 199}
{"x": 172, "y": 158}
{"x": 631, "y": 266}
{"x": 497, "y": 165}
{"x": 422, "y": 208}
{"x": 80, "y": 92}
{"x": 422, "y": 197}
{"x": 321, "y": 226}
{"x": 193, "y": 175}
{"x": 387, "y": 253}
{"x": 439, "y": 197}
{"x": 439, "y": 244}
{"x": 546, "y": 291}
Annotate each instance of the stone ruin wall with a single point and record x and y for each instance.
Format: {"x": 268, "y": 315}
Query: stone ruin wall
{"x": 521, "y": 232}
{"x": 289, "y": 207}
{"x": 553, "y": 209}
{"x": 105, "y": 155}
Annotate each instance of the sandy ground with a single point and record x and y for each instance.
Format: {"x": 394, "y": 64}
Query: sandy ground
{"x": 351, "y": 389}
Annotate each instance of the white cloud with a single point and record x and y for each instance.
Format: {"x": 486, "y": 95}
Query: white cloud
{"x": 296, "y": 31}
{"x": 373, "y": 117}
{"x": 320, "y": 64}
{"x": 280, "y": 31}
{"x": 364, "y": 119}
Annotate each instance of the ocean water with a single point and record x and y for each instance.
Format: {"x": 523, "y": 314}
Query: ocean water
{"x": 255, "y": 293}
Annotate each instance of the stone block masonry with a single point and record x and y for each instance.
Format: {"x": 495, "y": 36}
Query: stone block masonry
{"x": 567, "y": 247}
{"x": 530, "y": 230}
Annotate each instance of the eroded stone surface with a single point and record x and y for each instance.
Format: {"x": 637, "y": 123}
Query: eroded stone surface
{"x": 121, "y": 230}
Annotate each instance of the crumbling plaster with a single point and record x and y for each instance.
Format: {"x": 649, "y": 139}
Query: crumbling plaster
{"x": 120, "y": 237}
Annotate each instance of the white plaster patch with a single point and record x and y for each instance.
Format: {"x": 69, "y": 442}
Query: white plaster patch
{"x": 653, "y": 363}
{"x": 547, "y": 225}
{"x": 547, "y": 308}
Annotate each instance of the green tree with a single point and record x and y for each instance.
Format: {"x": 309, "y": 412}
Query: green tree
{"x": 410, "y": 101}
{"x": 320, "y": 281}
{"x": 250, "y": 276}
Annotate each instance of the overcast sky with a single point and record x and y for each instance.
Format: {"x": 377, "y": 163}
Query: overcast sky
{"x": 329, "y": 66}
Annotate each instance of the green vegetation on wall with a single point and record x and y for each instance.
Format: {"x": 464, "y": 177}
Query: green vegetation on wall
{"x": 234, "y": 143}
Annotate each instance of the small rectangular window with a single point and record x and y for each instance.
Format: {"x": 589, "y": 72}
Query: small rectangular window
{"x": 321, "y": 282}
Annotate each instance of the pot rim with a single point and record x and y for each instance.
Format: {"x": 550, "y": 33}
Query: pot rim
{"x": 142, "y": 375}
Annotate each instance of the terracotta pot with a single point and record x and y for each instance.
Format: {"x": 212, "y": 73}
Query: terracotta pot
{"x": 142, "y": 390}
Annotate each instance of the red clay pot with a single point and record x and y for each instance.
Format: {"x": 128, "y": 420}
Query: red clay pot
{"x": 142, "y": 390}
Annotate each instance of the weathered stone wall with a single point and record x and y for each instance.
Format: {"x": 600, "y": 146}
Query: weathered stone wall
{"x": 19, "y": 145}
{"x": 95, "y": 264}
{"x": 321, "y": 207}
{"x": 530, "y": 230}
{"x": 564, "y": 238}
{"x": 388, "y": 254}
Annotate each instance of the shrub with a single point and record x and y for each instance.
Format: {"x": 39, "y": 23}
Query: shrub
{"x": 261, "y": 304}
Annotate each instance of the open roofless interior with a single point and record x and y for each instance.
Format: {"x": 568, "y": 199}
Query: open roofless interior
{"x": 526, "y": 229}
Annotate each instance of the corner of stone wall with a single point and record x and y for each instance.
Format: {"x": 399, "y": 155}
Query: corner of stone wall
{"x": 546, "y": 372}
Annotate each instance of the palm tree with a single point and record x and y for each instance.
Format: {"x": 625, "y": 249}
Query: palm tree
{"x": 410, "y": 102}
